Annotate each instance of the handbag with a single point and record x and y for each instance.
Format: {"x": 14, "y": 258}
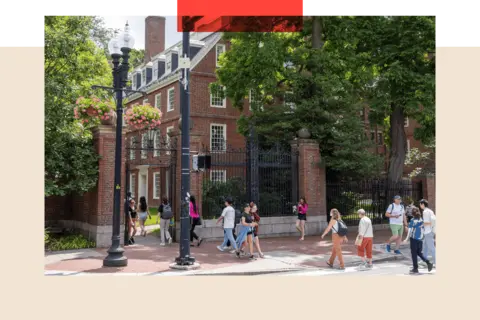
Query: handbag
{"x": 358, "y": 241}
{"x": 199, "y": 221}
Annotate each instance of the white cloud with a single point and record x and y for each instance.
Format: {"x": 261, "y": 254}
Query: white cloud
{"x": 116, "y": 18}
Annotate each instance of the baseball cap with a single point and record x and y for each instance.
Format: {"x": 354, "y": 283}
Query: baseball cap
{"x": 397, "y": 197}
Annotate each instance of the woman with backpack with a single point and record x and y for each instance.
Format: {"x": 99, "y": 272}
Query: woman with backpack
{"x": 302, "y": 217}
{"x": 339, "y": 236}
{"x": 416, "y": 236}
{"x": 165, "y": 212}
{"x": 194, "y": 221}
{"x": 143, "y": 214}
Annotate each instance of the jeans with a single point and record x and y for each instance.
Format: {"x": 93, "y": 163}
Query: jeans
{"x": 164, "y": 234}
{"x": 416, "y": 249}
{"x": 234, "y": 236}
{"x": 193, "y": 223}
{"x": 429, "y": 245}
{"x": 228, "y": 236}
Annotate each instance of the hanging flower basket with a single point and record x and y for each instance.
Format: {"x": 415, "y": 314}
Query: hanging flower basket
{"x": 143, "y": 117}
{"x": 93, "y": 111}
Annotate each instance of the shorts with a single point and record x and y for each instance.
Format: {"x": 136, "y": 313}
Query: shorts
{"x": 302, "y": 217}
{"x": 143, "y": 216}
{"x": 397, "y": 229}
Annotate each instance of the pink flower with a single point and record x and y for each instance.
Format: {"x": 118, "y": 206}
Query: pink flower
{"x": 140, "y": 121}
{"x": 143, "y": 117}
{"x": 84, "y": 110}
{"x": 86, "y": 120}
{"x": 107, "y": 117}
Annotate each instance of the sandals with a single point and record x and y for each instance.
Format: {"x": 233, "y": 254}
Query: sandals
{"x": 261, "y": 255}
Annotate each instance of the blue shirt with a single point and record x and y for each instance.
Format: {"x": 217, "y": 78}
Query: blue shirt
{"x": 416, "y": 229}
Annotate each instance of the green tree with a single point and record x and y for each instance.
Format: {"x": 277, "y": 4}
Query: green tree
{"x": 136, "y": 58}
{"x": 73, "y": 62}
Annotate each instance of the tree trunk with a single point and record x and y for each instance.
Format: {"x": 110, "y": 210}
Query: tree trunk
{"x": 317, "y": 32}
{"x": 398, "y": 144}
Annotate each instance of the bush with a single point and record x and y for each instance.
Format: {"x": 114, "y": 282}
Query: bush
{"x": 67, "y": 242}
{"x": 214, "y": 194}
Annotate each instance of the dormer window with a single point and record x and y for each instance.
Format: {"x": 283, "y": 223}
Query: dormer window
{"x": 144, "y": 76}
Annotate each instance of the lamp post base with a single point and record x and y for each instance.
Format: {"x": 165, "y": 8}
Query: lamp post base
{"x": 185, "y": 267}
{"x": 115, "y": 258}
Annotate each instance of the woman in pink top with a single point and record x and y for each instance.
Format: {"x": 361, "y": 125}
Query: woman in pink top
{"x": 194, "y": 221}
{"x": 302, "y": 217}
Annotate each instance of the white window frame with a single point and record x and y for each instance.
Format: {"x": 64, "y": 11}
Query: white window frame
{"x": 168, "y": 63}
{"x": 144, "y": 144}
{"x": 134, "y": 81}
{"x": 132, "y": 184}
{"x": 144, "y": 77}
{"x": 156, "y": 175}
{"x": 145, "y": 101}
{"x": 406, "y": 122}
{"x": 156, "y": 144}
{"x": 158, "y": 98}
{"x": 132, "y": 147}
{"x": 224, "y": 126}
{"x": 224, "y": 102}
{"x": 170, "y": 104}
{"x": 167, "y": 138}
{"x": 155, "y": 71}
{"x": 217, "y": 56}
{"x": 291, "y": 105}
{"x": 224, "y": 179}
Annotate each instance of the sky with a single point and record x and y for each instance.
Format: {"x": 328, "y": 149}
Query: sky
{"x": 137, "y": 27}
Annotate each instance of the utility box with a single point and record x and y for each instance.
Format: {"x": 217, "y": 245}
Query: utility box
{"x": 203, "y": 162}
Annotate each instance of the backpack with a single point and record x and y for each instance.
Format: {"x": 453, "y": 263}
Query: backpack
{"x": 393, "y": 207}
{"x": 342, "y": 228}
{"x": 167, "y": 212}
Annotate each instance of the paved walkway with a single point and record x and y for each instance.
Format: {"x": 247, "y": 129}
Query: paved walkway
{"x": 147, "y": 257}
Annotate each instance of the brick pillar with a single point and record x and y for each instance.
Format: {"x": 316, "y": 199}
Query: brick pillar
{"x": 100, "y": 218}
{"x": 311, "y": 176}
{"x": 428, "y": 185}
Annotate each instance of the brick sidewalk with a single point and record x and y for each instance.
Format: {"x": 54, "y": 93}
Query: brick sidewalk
{"x": 148, "y": 257}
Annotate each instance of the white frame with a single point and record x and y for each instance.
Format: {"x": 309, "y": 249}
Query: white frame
{"x": 169, "y": 129}
{"x": 159, "y": 96}
{"x": 144, "y": 77}
{"x": 145, "y": 101}
{"x": 224, "y": 136}
{"x": 155, "y": 70}
{"x": 221, "y": 45}
{"x": 224, "y": 102}
{"x": 133, "y": 141}
{"x": 219, "y": 171}
{"x": 155, "y": 175}
{"x": 406, "y": 122}
{"x": 168, "y": 63}
{"x": 134, "y": 81}
{"x": 132, "y": 183}
{"x": 156, "y": 144}
{"x": 170, "y": 104}
{"x": 144, "y": 153}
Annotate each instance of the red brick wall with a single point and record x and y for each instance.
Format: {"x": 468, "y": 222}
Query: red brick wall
{"x": 154, "y": 36}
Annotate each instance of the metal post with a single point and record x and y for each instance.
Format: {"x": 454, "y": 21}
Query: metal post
{"x": 253, "y": 164}
{"x": 185, "y": 258}
{"x": 115, "y": 256}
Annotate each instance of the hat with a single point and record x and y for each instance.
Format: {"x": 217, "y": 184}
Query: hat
{"x": 397, "y": 197}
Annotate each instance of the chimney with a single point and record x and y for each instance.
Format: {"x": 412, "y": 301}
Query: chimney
{"x": 154, "y": 36}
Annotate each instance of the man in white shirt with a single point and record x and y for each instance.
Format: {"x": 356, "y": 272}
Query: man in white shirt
{"x": 398, "y": 221}
{"x": 429, "y": 235}
{"x": 228, "y": 217}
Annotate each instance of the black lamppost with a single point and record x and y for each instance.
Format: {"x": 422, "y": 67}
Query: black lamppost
{"x": 118, "y": 47}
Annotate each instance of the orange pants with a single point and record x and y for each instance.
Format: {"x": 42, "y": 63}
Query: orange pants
{"x": 337, "y": 250}
{"x": 366, "y": 245}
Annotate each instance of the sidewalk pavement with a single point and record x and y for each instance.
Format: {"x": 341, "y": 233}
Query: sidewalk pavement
{"x": 147, "y": 257}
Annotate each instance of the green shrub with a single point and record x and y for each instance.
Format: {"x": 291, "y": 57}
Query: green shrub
{"x": 68, "y": 242}
{"x": 214, "y": 194}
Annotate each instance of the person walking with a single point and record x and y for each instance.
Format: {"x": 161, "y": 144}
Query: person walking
{"x": 335, "y": 225}
{"x": 132, "y": 222}
{"x": 302, "y": 217}
{"x": 228, "y": 218}
{"x": 143, "y": 214}
{"x": 165, "y": 213}
{"x": 364, "y": 241}
{"x": 415, "y": 236}
{"x": 256, "y": 218}
{"x": 429, "y": 220}
{"x": 194, "y": 221}
{"x": 398, "y": 221}
{"x": 245, "y": 235}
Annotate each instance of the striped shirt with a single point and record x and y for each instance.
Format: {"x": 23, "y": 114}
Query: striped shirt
{"x": 416, "y": 229}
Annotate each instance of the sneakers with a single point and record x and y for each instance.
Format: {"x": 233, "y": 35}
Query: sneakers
{"x": 220, "y": 248}
{"x": 397, "y": 252}
{"x": 170, "y": 240}
{"x": 387, "y": 248}
{"x": 233, "y": 251}
{"x": 162, "y": 244}
{"x": 429, "y": 266}
{"x": 414, "y": 271}
{"x": 369, "y": 265}
{"x": 199, "y": 242}
{"x": 237, "y": 253}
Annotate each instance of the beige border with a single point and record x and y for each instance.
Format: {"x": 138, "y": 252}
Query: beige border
{"x": 29, "y": 294}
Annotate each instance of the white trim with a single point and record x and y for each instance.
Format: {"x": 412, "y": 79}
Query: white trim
{"x": 159, "y": 100}
{"x": 144, "y": 144}
{"x": 145, "y": 101}
{"x": 132, "y": 182}
{"x": 406, "y": 122}
{"x": 133, "y": 147}
{"x": 153, "y": 87}
{"x": 156, "y": 146}
{"x": 155, "y": 175}
{"x": 224, "y": 102}
{"x": 170, "y": 106}
{"x": 224, "y": 179}
{"x": 168, "y": 63}
{"x": 155, "y": 70}
{"x": 408, "y": 145}
{"x": 143, "y": 172}
{"x": 224, "y": 136}
{"x": 169, "y": 129}
{"x": 143, "y": 77}
{"x": 216, "y": 52}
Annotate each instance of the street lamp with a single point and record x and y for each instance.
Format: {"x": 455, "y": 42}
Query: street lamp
{"x": 118, "y": 47}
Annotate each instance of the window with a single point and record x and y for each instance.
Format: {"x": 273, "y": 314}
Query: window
{"x": 156, "y": 144}
{"x": 218, "y": 175}
{"x": 217, "y": 101}
{"x": 156, "y": 185}
{"x": 134, "y": 77}
{"x": 406, "y": 122}
{"x": 133, "y": 143}
{"x": 219, "y": 50}
{"x": 218, "y": 137}
{"x": 171, "y": 99}
{"x": 144, "y": 77}
{"x": 155, "y": 70}
{"x": 289, "y": 100}
{"x": 158, "y": 101}
{"x": 145, "y": 101}
{"x": 254, "y": 98}
{"x": 169, "y": 129}
{"x": 144, "y": 146}
{"x": 132, "y": 184}
{"x": 168, "y": 64}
